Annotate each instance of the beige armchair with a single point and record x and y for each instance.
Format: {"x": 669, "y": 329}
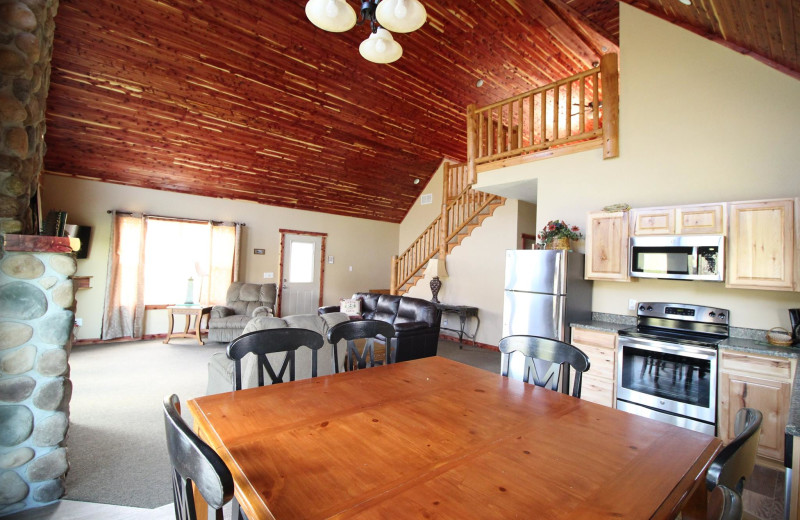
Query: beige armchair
{"x": 244, "y": 301}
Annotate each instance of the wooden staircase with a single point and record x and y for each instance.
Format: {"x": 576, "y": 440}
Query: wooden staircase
{"x": 463, "y": 211}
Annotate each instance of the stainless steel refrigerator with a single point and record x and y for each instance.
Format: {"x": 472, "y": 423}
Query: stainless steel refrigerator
{"x": 544, "y": 293}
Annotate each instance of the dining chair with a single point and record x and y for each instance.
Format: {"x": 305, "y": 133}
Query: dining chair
{"x": 370, "y": 330}
{"x": 194, "y": 462}
{"x": 725, "y": 504}
{"x": 560, "y": 355}
{"x": 736, "y": 461}
{"x": 260, "y": 343}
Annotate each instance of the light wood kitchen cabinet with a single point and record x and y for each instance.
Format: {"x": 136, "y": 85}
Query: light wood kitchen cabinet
{"x": 761, "y": 243}
{"x": 761, "y": 382}
{"x": 600, "y": 382}
{"x": 653, "y": 221}
{"x": 701, "y": 219}
{"x": 607, "y": 246}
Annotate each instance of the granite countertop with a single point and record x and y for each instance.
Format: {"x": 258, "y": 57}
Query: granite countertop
{"x": 751, "y": 341}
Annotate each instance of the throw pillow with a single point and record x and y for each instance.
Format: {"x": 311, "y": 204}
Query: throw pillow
{"x": 350, "y": 306}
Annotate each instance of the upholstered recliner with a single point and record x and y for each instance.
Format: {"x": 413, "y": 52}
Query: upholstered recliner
{"x": 220, "y": 367}
{"x": 244, "y": 302}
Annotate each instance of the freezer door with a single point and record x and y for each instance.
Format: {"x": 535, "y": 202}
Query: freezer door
{"x": 534, "y": 314}
{"x": 537, "y": 271}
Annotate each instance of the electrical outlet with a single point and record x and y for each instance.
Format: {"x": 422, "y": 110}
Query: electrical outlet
{"x": 444, "y": 322}
{"x": 350, "y": 268}
{"x": 79, "y": 322}
{"x": 631, "y": 304}
{"x": 269, "y": 275}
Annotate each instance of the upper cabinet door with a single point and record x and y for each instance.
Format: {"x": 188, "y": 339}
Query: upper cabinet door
{"x": 653, "y": 221}
{"x": 705, "y": 219}
{"x": 761, "y": 245}
{"x": 607, "y": 246}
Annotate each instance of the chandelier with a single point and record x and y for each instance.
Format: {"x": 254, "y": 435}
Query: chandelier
{"x": 401, "y": 16}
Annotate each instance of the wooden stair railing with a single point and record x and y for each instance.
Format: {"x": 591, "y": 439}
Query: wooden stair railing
{"x": 446, "y": 231}
{"x": 579, "y": 108}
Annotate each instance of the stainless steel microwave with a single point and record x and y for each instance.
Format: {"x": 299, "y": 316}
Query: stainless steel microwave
{"x": 684, "y": 257}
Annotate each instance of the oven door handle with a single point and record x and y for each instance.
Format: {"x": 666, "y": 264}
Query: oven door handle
{"x": 667, "y": 348}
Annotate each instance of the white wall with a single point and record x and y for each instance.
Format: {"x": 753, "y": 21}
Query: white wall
{"x": 365, "y": 245}
{"x": 476, "y": 270}
{"x": 420, "y": 216}
{"x": 698, "y": 123}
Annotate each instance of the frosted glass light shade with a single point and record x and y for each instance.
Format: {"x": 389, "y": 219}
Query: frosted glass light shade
{"x": 380, "y": 47}
{"x": 331, "y": 15}
{"x": 401, "y": 16}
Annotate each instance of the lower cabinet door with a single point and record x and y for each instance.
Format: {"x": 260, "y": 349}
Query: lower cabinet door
{"x": 597, "y": 390}
{"x": 772, "y": 398}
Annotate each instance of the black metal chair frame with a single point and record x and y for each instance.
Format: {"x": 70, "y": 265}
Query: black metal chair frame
{"x": 728, "y": 504}
{"x": 194, "y": 461}
{"x": 271, "y": 341}
{"x": 363, "y": 329}
{"x": 736, "y": 461}
{"x": 561, "y": 356}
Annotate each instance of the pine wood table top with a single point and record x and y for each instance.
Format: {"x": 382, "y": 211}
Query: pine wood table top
{"x": 432, "y": 438}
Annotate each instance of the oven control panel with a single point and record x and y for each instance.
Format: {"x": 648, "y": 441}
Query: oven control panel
{"x": 683, "y": 311}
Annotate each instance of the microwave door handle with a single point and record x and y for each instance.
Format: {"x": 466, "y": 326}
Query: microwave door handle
{"x": 693, "y": 261}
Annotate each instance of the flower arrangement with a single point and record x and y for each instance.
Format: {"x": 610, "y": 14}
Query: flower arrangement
{"x": 556, "y": 229}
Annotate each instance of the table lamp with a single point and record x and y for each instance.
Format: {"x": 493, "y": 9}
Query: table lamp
{"x": 436, "y": 269}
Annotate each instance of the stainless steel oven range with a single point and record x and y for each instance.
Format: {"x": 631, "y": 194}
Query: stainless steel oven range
{"x": 667, "y": 364}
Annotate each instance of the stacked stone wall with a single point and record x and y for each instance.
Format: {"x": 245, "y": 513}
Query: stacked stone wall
{"x": 26, "y": 47}
{"x": 36, "y": 318}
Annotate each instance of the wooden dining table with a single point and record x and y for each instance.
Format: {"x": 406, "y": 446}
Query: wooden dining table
{"x": 433, "y": 438}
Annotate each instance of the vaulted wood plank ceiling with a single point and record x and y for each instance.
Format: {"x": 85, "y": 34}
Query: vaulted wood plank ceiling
{"x": 246, "y": 99}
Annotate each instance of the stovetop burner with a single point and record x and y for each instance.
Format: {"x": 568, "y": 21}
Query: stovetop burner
{"x": 680, "y": 323}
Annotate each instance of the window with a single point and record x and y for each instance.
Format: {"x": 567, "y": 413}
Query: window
{"x": 176, "y": 251}
{"x": 302, "y": 268}
{"x": 163, "y": 261}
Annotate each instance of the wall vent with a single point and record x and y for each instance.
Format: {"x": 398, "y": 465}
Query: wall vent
{"x": 427, "y": 198}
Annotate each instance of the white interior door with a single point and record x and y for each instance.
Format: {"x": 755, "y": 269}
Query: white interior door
{"x": 301, "y": 270}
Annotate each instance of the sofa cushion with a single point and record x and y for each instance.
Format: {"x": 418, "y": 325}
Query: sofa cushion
{"x": 387, "y": 308}
{"x": 234, "y": 321}
{"x": 413, "y": 310}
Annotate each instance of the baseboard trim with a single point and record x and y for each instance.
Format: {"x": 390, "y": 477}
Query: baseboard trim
{"x": 469, "y": 342}
{"x": 95, "y": 341}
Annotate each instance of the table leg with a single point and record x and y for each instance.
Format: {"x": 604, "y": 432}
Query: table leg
{"x": 462, "y": 317}
{"x": 171, "y": 324}
{"x": 197, "y": 320}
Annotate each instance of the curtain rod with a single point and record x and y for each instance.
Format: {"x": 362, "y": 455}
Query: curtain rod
{"x": 176, "y": 218}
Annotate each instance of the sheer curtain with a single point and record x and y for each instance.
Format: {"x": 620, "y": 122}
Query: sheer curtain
{"x": 123, "y": 311}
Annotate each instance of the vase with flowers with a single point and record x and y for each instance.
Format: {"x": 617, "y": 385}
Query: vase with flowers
{"x": 557, "y": 234}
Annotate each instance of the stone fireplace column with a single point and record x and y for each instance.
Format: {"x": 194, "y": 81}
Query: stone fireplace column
{"x": 36, "y": 319}
{"x": 36, "y": 293}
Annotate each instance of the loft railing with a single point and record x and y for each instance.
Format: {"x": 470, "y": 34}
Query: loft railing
{"x": 456, "y": 215}
{"x": 579, "y": 108}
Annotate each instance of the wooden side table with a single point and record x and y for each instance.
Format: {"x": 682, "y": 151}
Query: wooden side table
{"x": 198, "y": 311}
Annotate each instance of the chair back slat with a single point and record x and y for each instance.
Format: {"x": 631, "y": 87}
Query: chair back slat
{"x": 370, "y": 330}
{"x": 736, "y": 461}
{"x": 193, "y": 462}
{"x": 560, "y": 355}
{"x": 272, "y": 341}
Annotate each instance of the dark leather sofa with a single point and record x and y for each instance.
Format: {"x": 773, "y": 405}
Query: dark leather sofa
{"x": 415, "y": 321}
